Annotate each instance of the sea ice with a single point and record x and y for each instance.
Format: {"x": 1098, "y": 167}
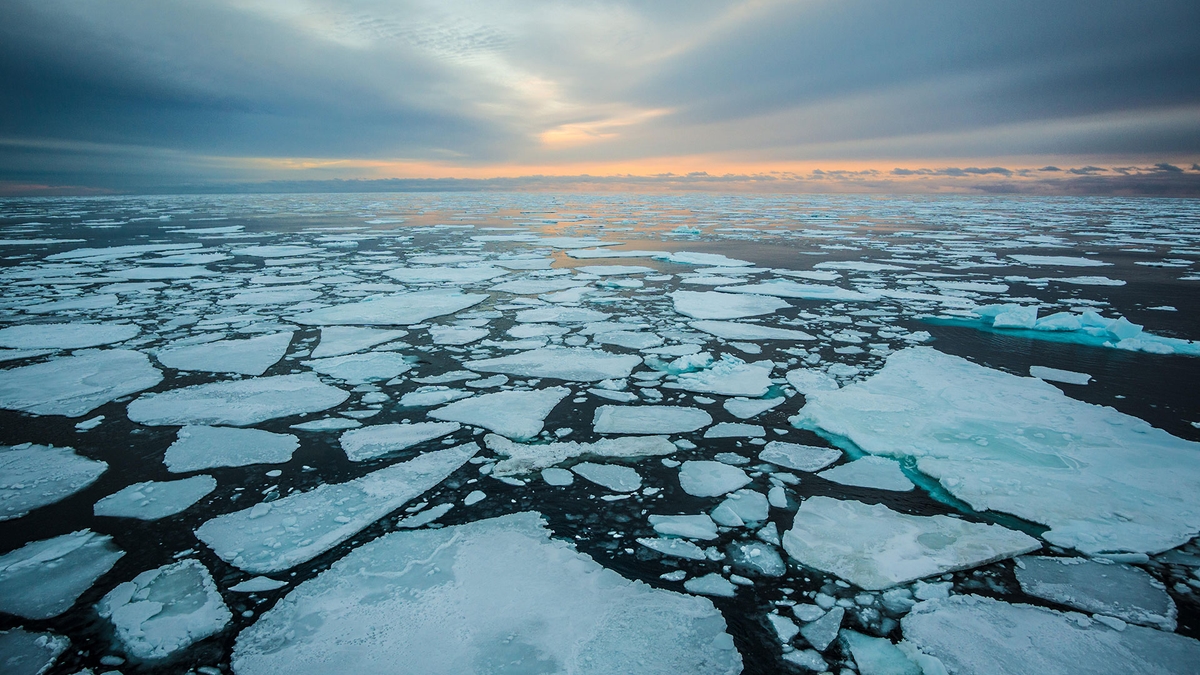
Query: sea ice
{"x": 431, "y": 395}
{"x": 880, "y": 473}
{"x": 32, "y": 476}
{"x": 445, "y": 275}
{"x": 361, "y": 368}
{"x": 238, "y": 402}
{"x": 729, "y": 376}
{"x": 75, "y": 385}
{"x": 612, "y": 476}
{"x": 496, "y": 595}
{"x": 704, "y": 478}
{"x": 202, "y": 447}
{"x": 152, "y": 500}
{"x": 734, "y": 430}
{"x": 42, "y": 579}
{"x": 741, "y": 508}
{"x": 734, "y": 330}
{"x": 689, "y": 527}
{"x": 25, "y": 653}
{"x": 165, "y": 609}
{"x": 628, "y": 339}
{"x": 400, "y": 309}
{"x": 383, "y": 439}
{"x": 517, "y": 414}
{"x": 678, "y": 548}
{"x": 257, "y": 585}
{"x": 560, "y": 315}
{"x": 1126, "y": 592}
{"x": 456, "y": 335}
{"x": 878, "y": 656}
{"x": 248, "y": 357}
{"x": 783, "y": 288}
{"x": 711, "y": 584}
{"x": 973, "y": 635}
{"x": 714, "y": 305}
{"x": 874, "y": 547}
{"x": 66, "y": 335}
{"x": 561, "y": 363}
{"x": 807, "y": 381}
{"x": 557, "y": 477}
{"x": 648, "y": 419}
{"x": 522, "y": 458}
{"x": 274, "y": 536}
{"x": 758, "y": 559}
{"x": 1056, "y": 375}
{"x": 1058, "y": 260}
{"x": 1018, "y": 445}
{"x": 341, "y": 340}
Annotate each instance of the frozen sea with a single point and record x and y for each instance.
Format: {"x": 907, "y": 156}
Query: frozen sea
{"x": 517, "y": 433}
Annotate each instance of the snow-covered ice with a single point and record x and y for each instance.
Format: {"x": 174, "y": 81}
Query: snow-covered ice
{"x": 383, "y": 439}
{"x": 714, "y": 305}
{"x": 561, "y": 363}
{"x": 32, "y": 476}
{"x": 248, "y": 357}
{"x": 432, "y": 395}
{"x": 877, "y": 656}
{"x": 730, "y": 376}
{"x": 704, "y": 478}
{"x": 520, "y": 458}
{"x": 648, "y": 419}
{"x": 237, "y": 402}
{"x": 456, "y": 335}
{"x": 66, "y": 335}
{"x": 257, "y": 585}
{"x": 880, "y": 473}
{"x": 203, "y": 447}
{"x": 688, "y": 526}
{"x": 734, "y": 430}
{"x": 518, "y": 415}
{"x": 151, "y": 500}
{"x": 1123, "y": 591}
{"x": 42, "y": 579}
{"x": 78, "y": 384}
{"x": 274, "y": 536}
{"x": 164, "y": 610}
{"x": 711, "y": 584}
{"x": 489, "y": 596}
{"x": 874, "y": 547}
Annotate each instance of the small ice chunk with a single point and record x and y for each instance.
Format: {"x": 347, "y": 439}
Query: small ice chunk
{"x": 1121, "y": 591}
{"x": 628, "y": 339}
{"x": 705, "y": 478}
{"x": 75, "y": 385}
{"x": 361, "y": 368}
{"x": 688, "y": 527}
{"x": 715, "y": 305}
{"x": 560, "y": 315}
{"x": 66, "y": 335}
{"x": 799, "y": 457}
{"x": 165, "y": 610}
{"x": 809, "y": 659}
{"x": 523, "y": 458}
{"x": 711, "y": 584}
{"x": 648, "y": 419}
{"x": 555, "y": 476}
{"x": 328, "y": 424}
{"x": 248, "y": 357}
{"x": 875, "y": 547}
{"x": 1056, "y": 375}
{"x": 384, "y": 439}
{"x": 474, "y": 497}
{"x": 425, "y": 517}
{"x": 516, "y": 414}
{"x": 42, "y": 579}
{"x": 730, "y": 376}
{"x": 32, "y": 476}
{"x": 785, "y": 628}
{"x": 743, "y": 408}
{"x": 238, "y": 402}
{"x": 153, "y": 500}
{"x": 734, "y": 430}
{"x": 749, "y": 505}
{"x": 341, "y": 340}
{"x": 257, "y": 585}
{"x": 880, "y": 473}
{"x": 562, "y": 363}
{"x": 203, "y": 447}
{"x": 678, "y": 548}
{"x": 614, "y": 477}
{"x": 822, "y": 632}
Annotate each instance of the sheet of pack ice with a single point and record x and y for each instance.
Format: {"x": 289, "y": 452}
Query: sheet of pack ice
{"x": 517, "y": 414}
{"x": 704, "y": 478}
{"x": 1057, "y": 375}
{"x": 688, "y": 526}
{"x": 248, "y": 357}
{"x": 714, "y": 305}
{"x": 198, "y": 447}
{"x": 75, "y": 385}
{"x": 522, "y": 458}
{"x": 383, "y": 439}
{"x": 492, "y": 596}
{"x": 880, "y": 473}
{"x": 1058, "y": 260}
{"x": 1019, "y": 445}
{"x": 400, "y": 309}
{"x": 341, "y": 340}
{"x": 361, "y": 368}
{"x": 432, "y": 395}
{"x": 615, "y": 270}
{"x": 456, "y": 335}
{"x": 536, "y": 286}
{"x": 445, "y": 275}
{"x": 806, "y": 381}
{"x": 33, "y": 476}
{"x": 735, "y": 330}
{"x": 561, "y": 363}
{"x": 42, "y": 579}
{"x": 874, "y": 547}
{"x": 730, "y": 376}
{"x": 648, "y": 419}
{"x": 152, "y": 500}
{"x": 26, "y": 653}
{"x": 276, "y": 251}
{"x": 973, "y": 635}
{"x": 560, "y": 315}
{"x": 238, "y": 402}
{"x": 877, "y": 656}
{"x": 784, "y": 288}
{"x": 164, "y": 610}
{"x": 612, "y": 476}
{"x": 1123, "y": 591}
{"x": 799, "y": 457}
{"x": 66, "y": 335}
{"x": 274, "y": 536}
{"x": 744, "y": 409}
{"x": 273, "y": 296}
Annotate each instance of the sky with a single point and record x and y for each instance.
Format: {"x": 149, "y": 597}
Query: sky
{"x": 1059, "y": 97}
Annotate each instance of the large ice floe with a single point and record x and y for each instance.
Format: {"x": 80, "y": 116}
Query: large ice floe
{"x": 340, "y": 340}
{"x": 1018, "y": 445}
{"x": 78, "y": 384}
{"x": 519, "y": 415}
{"x": 572, "y": 364}
{"x": 248, "y": 357}
{"x": 166, "y": 609}
{"x": 520, "y": 458}
{"x": 44, "y": 578}
{"x": 730, "y": 376}
{"x": 973, "y": 635}
{"x": 237, "y": 402}
{"x": 874, "y": 547}
{"x": 203, "y": 447}
{"x": 1086, "y": 328}
{"x": 32, "y": 476}
{"x": 491, "y": 596}
{"x": 66, "y": 335}
{"x": 736, "y": 330}
{"x": 274, "y": 536}
{"x": 648, "y": 419}
{"x": 714, "y": 305}
{"x": 1100, "y": 586}
{"x": 392, "y": 310}
{"x": 151, "y": 500}
{"x": 361, "y": 368}
{"x": 383, "y": 439}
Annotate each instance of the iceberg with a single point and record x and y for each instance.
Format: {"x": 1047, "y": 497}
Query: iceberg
{"x": 202, "y": 447}
{"x": 32, "y": 476}
{"x": 874, "y": 547}
{"x": 517, "y": 414}
{"x": 75, "y": 385}
{"x": 42, "y": 579}
{"x": 496, "y": 595}
{"x": 561, "y": 363}
{"x": 274, "y": 536}
{"x": 152, "y": 500}
{"x": 520, "y": 458}
{"x": 238, "y": 402}
{"x": 248, "y": 357}
{"x": 66, "y": 335}
{"x": 383, "y": 439}
{"x": 400, "y": 309}
{"x": 648, "y": 419}
{"x": 714, "y": 305}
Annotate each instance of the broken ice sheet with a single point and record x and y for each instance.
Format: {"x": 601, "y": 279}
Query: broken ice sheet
{"x": 340, "y": 340}
{"x": 714, "y": 305}
{"x": 32, "y": 476}
{"x": 274, "y": 536}
{"x": 612, "y": 476}
{"x": 880, "y": 473}
{"x": 44, "y": 578}
{"x": 481, "y": 598}
{"x": 648, "y": 419}
{"x": 238, "y": 402}
{"x": 26, "y": 653}
{"x": 730, "y": 376}
{"x": 361, "y": 368}
{"x": 75, "y": 385}
{"x": 799, "y": 457}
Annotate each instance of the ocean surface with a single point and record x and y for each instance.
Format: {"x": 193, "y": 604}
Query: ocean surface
{"x": 499, "y": 341}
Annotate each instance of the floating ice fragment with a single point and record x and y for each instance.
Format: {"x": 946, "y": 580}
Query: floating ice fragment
{"x": 257, "y": 585}
{"x": 733, "y": 330}
{"x": 523, "y": 458}
{"x": 757, "y": 559}
{"x": 748, "y": 505}
{"x": 340, "y": 340}
{"x": 689, "y": 527}
{"x": 248, "y": 357}
{"x": 562, "y": 363}
{"x": 431, "y": 396}
{"x": 714, "y": 305}
{"x": 1056, "y": 375}
{"x": 807, "y": 381}
{"x": 711, "y": 584}
{"x": 783, "y": 288}
{"x": 799, "y": 457}
{"x": 237, "y": 403}
{"x": 75, "y": 385}
{"x": 612, "y": 476}
{"x": 1122, "y": 591}
{"x": 673, "y": 547}
{"x": 705, "y": 478}
{"x": 361, "y": 368}
{"x": 400, "y": 309}
{"x": 746, "y": 408}
{"x": 66, "y": 335}
{"x": 445, "y": 275}
{"x": 877, "y": 656}
{"x": 25, "y": 653}
{"x": 734, "y": 430}
{"x": 730, "y": 376}
{"x": 456, "y": 335}
{"x": 203, "y": 447}
{"x": 560, "y": 315}
{"x": 383, "y": 439}
{"x": 557, "y": 477}
{"x": 880, "y": 473}
{"x": 648, "y": 419}
{"x": 42, "y": 579}
{"x": 153, "y": 500}
{"x": 822, "y": 632}
{"x": 516, "y": 414}
{"x": 1058, "y": 260}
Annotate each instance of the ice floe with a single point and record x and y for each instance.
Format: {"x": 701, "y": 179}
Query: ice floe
{"x": 248, "y": 357}
{"x": 743, "y": 408}
{"x": 66, "y": 335}
{"x": 730, "y": 376}
{"x": 445, "y": 275}
{"x": 204, "y": 447}
{"x": 714, "y": 305}
{"x": 612, "y": 476}
{"x": 880, "y": 473}
{"x": 26, "y": 653}
{"x": 561, "y": 363}
{"x": 75, "y": 385}
{"x": 1018, "y": 445}
{"x": 400, "y": 309}
{"x": 1058, "y": 261}
{"x": 520, "y": 458}
{"x": 237, "y": 403}
{"x": 874, "y": 547}
{"x": 487, "y": 596}
{"x": 648, "y": 419}
{"x": 456, "y": 335}
{"x": 42, "y": 579}
{"x": 518, "y": 415}
{"x": 1057, "y": 375}
{"x": 152, "y": 500}
{"x": 1098, "y": 586}
{"x": 383, "y": 439}
{"x": 704, "y": 478}
{"x": 340, "y": 340}
{"x": 32, "y": 476}
{"x": 274, "y": 536}
{"x": 734, "y": 330}
{"x": 783, "y": 288}
{"x": 361, "y": 368}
